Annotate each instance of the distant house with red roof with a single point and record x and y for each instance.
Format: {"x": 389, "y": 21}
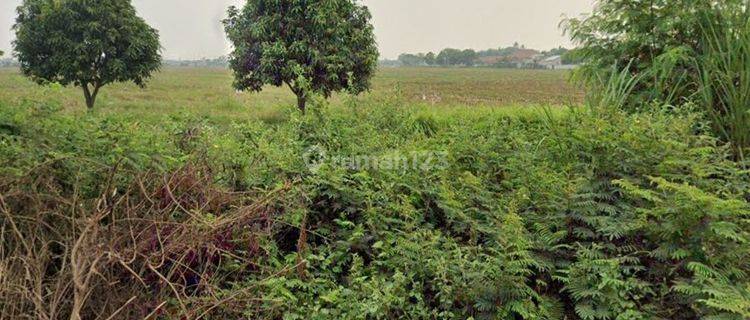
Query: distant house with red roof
{"x": 522, "y": 55}
{"x": 518, "y": 57}
{"x": 488, "y": 61}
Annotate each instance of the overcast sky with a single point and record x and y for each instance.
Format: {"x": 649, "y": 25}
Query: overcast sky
{"x": 191, "y": 29}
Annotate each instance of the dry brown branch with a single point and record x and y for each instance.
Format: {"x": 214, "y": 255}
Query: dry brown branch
{"x": 128, "y": 252}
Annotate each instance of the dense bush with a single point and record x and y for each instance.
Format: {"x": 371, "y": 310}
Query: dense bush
{"x": 677, "y": 52}
{"x": 560, "y": 215}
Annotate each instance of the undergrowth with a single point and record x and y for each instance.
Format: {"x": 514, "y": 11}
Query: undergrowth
{"x": 575, "y": 214}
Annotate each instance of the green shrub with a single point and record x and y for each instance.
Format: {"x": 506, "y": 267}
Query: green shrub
{"x": 640, "y": 55}
{"x": 724, "y": 79}
{"x": 571, "y": 215}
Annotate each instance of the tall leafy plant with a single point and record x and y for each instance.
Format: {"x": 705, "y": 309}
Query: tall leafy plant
{"x": 649, "y": 36}
{"x": 615, "y": 87}
{"x": 680, "y": 51}
{"x": 724, "y": 76}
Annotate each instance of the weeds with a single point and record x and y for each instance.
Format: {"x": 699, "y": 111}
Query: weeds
{"x": 556, "y": 214}
{"x": 147, "y": 250}
{"x": 694, "y": 53}
{"x": 725, "y": 77}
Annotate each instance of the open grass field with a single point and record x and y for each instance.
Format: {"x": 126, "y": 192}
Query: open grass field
{"x": 208, "y": 92}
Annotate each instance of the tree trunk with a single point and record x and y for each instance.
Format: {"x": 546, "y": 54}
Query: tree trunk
{"x": 90, "y": 96}
{"x": 301, "y": 103}
{"x": 301, "y": 96}
{"x": 90, "y": 101}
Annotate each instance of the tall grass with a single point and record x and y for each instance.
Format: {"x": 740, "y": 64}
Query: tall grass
{"x": 715, "y": 77}
{"x": 613, "y": 88}
{"x": 724, "y": 76}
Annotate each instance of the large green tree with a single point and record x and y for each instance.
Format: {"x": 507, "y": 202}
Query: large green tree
{"x": 456, "y": 57}
{"x": 410, "y": 60}
{"x": 449, "y": 57}
{"x": 86, "y": 43}
{"x": 312, "y": 46}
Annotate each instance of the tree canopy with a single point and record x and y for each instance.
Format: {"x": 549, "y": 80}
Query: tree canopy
{"x": 86, "y": 43}
{"x": 456, "y": 57}
{"x": 312, "y": 46}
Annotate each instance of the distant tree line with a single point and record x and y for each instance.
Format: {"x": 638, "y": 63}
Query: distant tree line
{"x": 220, "y": 62}
{"x": 470, "y": 57}
{"x": 447, "y": 57}
{"x": 8, "y": 62}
